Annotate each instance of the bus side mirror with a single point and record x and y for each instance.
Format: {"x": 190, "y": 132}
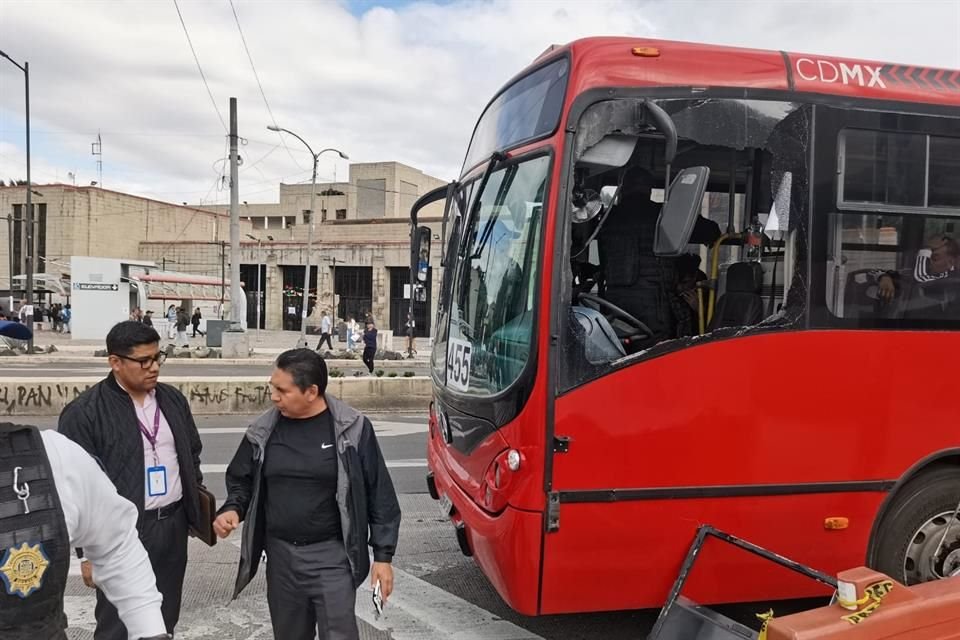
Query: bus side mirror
{"x": 422, "y": 252}
{"x": 680, "y": 211}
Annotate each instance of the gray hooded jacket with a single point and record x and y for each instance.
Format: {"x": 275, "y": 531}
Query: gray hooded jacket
{"x": 369, "y": 510}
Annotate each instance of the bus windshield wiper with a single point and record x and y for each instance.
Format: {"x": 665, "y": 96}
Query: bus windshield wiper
{"x": 495, "y": 159}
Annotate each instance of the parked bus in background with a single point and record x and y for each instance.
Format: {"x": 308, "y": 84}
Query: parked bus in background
{"x": 766, "y": 346}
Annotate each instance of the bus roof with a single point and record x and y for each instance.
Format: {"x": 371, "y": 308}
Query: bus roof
{"x": 624, "y": 62}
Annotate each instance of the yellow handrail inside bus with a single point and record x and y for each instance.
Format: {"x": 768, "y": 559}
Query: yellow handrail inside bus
{"x": 715, "y": 273}
{"x": 703, "y": 325}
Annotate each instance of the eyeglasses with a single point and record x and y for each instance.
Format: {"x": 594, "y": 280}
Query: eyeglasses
{"x": 146, "y": 363}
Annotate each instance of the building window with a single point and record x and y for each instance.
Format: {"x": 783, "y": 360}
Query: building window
{"x": 341, "y": 214}
{"x": 291, "y": 221}
{"x": 323, "y": 215}
{"x": 275, "y": 222}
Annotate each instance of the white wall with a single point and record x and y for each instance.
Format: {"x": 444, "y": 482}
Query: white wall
{"x": 95, "y": 312}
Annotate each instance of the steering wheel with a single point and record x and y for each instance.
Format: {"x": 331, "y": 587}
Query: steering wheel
{"x": 612, "y": 311}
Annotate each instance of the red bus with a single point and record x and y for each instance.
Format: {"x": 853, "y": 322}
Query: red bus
{"x": 766, "y": 346}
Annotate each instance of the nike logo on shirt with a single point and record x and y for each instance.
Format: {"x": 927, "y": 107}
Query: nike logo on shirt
{"x": 325, "y": 446}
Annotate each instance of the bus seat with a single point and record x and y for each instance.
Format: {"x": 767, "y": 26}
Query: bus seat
{"x": 741, "y": 304}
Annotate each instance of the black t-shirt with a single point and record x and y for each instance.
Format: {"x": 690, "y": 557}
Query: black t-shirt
{"x": 300, "y": 471}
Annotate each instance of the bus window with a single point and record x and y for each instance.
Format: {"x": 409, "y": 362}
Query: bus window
{"x": 626, "y": 303}
{"x": 490, "y": 334}
{"x": 893, "y": 252}
{"x": 894, "y": 269}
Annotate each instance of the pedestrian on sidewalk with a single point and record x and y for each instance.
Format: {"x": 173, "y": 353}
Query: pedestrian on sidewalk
{"x": 26, "y": 313}
{"x": 351, "y": 330}
{"x": 411, "y": 339}
{"x": 311, "y": 484}
{"x": 172, "y": 321}
{"x": 145, "y": 437}
{"x": 67, "y": 317}
{"x": 183, "y": 320}
{"x": 148, "y": 318}
{"x": 195, "y": 321}
{"x": 369, "y": 344}
{"x": 325, "y": 331}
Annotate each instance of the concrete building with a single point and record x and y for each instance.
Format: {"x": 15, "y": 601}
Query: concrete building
{"x": 90, "y": 221}
{"x": 361, "y": 248}
{"x": 360, "y": 242}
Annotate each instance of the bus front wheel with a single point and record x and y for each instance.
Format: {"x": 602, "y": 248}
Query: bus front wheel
{"x": 919, "y": 537}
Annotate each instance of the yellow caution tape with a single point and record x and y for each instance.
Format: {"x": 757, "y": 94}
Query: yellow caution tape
{"x": 874, "y": 594}
{"x": 766, "y": 618}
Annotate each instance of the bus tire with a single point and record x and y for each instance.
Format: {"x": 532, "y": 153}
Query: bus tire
{"x": 911, "y": 530}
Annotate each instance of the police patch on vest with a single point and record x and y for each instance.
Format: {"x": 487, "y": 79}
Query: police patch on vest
{"x": 23, "y": 568}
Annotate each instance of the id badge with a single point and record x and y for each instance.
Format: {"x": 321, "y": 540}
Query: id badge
{"x": 156, "y": 481}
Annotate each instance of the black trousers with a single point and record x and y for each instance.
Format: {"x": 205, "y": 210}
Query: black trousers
{"x": 166, "y": 544}
{"x": 325, "y": 337}
{"x": 310, "y": 590}
{"x": 368, "y": 353}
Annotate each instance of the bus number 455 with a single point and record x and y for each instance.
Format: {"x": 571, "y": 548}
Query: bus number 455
{"x": 458, "y": 364}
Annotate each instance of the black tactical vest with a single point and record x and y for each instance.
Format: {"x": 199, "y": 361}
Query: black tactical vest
{"x": 34, "y": 546}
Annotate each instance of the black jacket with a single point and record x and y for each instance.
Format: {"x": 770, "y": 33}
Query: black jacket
{"x": 369, "y": 510}
{"x": 103, "y": 421}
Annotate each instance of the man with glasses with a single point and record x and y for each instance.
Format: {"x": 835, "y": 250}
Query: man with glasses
{"x": 144, "y": 436}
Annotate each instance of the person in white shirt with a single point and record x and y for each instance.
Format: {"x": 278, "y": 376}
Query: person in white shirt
{"x": 325, "y": 326}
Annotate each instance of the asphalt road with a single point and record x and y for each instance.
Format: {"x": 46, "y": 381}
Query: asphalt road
{"x": 172, "y": 369}
{"x": 428, "y": 548}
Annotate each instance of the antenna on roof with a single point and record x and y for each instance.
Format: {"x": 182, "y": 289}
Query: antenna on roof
{"x": 96, "y": 150}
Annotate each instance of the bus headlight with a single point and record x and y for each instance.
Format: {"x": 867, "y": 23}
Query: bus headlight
{"x": 513, "y": 459}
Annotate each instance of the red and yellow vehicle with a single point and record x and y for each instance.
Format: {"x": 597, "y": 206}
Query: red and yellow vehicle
{"x": 689, "y": 284}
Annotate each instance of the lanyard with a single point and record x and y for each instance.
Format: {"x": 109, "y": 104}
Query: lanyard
{"x": 151, "y": 437}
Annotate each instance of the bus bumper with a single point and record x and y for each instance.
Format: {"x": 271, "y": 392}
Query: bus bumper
{"x": 506, "y": 545}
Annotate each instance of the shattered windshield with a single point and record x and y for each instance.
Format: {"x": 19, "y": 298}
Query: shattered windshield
{"x": 741, "y": 269}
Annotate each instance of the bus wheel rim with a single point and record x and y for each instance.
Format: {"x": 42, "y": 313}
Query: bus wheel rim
{"x": 922, "y": 563}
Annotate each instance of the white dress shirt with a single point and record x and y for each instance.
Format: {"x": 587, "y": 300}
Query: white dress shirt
{"x": 105, "y": 525}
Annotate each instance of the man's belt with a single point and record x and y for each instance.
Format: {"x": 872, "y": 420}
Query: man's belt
{"x": 163, "y": 512}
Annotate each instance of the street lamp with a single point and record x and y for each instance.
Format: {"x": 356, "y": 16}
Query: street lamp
{"x": 29, "y": 215}
{"x": 313, "y": 199}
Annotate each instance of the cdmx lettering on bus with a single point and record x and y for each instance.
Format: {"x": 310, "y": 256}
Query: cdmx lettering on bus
{"x": 863, "y": 75}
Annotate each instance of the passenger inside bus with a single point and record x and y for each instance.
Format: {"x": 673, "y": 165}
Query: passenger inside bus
{"x": 928, "y": 290}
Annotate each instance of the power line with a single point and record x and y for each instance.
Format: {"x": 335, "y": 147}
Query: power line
{"x": 199, "y": 68}
{"x": 259, "y": 85}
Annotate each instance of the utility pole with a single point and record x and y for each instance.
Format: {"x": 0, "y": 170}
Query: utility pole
{"x": 235, "y": 291}
{"x": 223, "y": 273}
{"x": 29, "y": 216}
{"x": 10, "y": 254}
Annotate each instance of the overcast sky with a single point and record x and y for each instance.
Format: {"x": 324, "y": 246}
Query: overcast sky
{"x": 380, "y": 80}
